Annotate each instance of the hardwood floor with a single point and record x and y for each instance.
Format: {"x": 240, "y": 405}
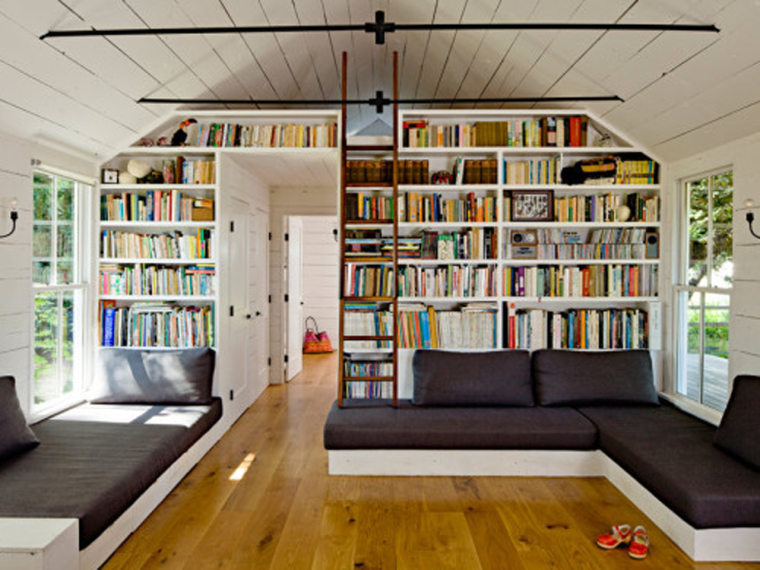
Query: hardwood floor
{"x": 285, "y": 512}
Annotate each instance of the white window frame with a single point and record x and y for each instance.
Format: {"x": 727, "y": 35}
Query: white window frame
{"x": 679, "y": 309}
{"x": 80, "y": 289}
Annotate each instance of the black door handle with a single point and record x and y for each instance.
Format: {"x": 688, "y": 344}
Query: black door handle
{"x": 258, "y": 313}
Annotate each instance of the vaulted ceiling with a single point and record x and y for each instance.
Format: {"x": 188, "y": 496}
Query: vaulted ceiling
{"x": 682, "y": 92}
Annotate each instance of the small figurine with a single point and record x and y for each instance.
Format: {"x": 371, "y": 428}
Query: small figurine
{"x": 162, "y": 141}
{"x": 180, "y": 136}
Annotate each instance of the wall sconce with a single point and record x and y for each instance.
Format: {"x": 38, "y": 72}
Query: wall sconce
{"x": 14, "y": 217}
{"x": 750, "y": 203}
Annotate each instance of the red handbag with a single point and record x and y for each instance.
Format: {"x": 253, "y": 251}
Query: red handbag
{"x": 314, "y": 340}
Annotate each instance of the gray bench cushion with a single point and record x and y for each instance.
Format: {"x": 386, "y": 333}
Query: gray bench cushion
{"x": 739, "y": 427}
{"x": 582, "y": 378}
{"x": 93, "y": 462}
{"x": 672, "y": 455}
{"x": 414, "y": 427}
{"x": 486, "y": 378}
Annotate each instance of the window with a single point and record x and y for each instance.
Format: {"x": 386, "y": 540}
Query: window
{"x": 703, "y": 296}
{"x": 57, "y": 273}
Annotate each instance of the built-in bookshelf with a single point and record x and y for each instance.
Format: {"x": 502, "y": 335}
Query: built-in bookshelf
{"x": 157, "y": 270}
{"x": 570, "y": 216}
{"x": 159, "y": 277}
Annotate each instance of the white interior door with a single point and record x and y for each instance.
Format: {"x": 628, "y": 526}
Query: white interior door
{"x": 294, "y": 326}
{"x": 237, "y": 298}
{"x": 258, "y": 295}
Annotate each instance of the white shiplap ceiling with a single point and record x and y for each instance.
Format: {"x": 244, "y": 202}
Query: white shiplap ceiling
{"x": 683, "y": 92}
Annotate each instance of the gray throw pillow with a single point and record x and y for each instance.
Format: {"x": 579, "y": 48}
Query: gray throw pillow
{"x": 15, "y": 435}
{"x": 493, "y": 378}
{"x": 737, "y": 433}
{"x": 128, "y": 376}
{"x": 581, "y": 378}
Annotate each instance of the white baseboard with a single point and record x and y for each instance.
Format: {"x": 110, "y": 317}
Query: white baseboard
{"x": 465, "y": 462}
{"x": 701, "y": 545}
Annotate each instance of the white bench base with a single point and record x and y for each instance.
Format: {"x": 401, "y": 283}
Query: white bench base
{"x": 701, "y": 545}
{"x": 53, "y": 544}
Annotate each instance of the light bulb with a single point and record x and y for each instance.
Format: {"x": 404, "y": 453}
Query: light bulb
{"x": 749, "y": 203}
{"x": 14, "y": 203}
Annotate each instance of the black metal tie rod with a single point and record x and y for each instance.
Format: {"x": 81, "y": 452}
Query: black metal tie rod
{"x": 379, "y": 27}
{"x": 378, "y": 101}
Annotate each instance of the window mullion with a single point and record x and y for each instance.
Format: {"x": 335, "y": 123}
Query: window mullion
{"x": 54, "y": 234}
{"x": 710, "y": 230}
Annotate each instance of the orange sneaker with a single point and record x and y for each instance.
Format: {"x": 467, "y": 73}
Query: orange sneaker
{"x": 639, "y": 547}
{"x": 621, "y": 534}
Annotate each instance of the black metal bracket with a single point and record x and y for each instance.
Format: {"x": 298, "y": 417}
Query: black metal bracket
{"x": 379, "y": 27}
{"x": 378, "y": 101}
{"x": 14, "y": 217}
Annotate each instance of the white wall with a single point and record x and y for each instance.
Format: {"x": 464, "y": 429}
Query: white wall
{"x": 744, "y": 329}
{"x": 289, "y": 201}
{"x": 320, "y": 273}
{"x": 16, "y": 253}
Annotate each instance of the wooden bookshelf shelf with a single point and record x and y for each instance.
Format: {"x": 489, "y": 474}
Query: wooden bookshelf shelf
{"x": 366, "y": 337}
{"x": 368, "y": 222}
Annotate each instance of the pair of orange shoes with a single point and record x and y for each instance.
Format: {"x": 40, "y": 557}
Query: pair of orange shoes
{"x": 636, "y": 539}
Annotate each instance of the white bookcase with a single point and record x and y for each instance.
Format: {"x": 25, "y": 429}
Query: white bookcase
{"x": 443, "y": 159}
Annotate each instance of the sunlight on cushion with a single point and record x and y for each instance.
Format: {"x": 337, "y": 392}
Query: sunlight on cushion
{"x": 134, "y": 413}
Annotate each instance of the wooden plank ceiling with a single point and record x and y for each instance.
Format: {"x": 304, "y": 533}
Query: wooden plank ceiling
{"x": 683, "y": 92}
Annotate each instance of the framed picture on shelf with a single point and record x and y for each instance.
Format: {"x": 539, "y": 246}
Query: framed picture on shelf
{"x": 524, "y": 244}
{"x": 109, "y": 176}
{"x": 532, "y": 205}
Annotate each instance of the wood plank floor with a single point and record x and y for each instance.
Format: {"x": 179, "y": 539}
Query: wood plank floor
{"x": 285, "y": 512}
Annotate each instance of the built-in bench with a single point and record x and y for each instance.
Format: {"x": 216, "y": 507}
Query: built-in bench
{"x": 579, "y": 414}
{"x": 104, "y": 466}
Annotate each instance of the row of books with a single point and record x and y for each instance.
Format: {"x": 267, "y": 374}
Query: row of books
{"x": 636, "y": 171}
{"x": 360, "y": 206}
{"x": 368, "y": 390}
{"x": 261, "y": 135}
{"x": 155, "y": 206}
{"x": 359, "y": 368}
{"x": 155, "y": 280}
{"x": 473, "y": 243}
{"x": 591, "y": 251}
{"x": 435, "y": 208}
{"x": 381, "y": 171}
{"x": 366, "y": 319}
{"x": 448, "y": 281}
{"x": 611, "y": 207}
{"x": 367, "y": 280}
{"x": 175, "y": 245}
{"x": 156, "y": 325}
{"x": 541, "y": 132}
{"x": 532, "y": 171}
{"x": 472, "y": 326}
{"x": 472, "y": 171}
{"x": 588, "y": 329}
{"x": 578, "y": 281}
{"x": 198, "y": 172}
{"x": 598, "y": 235}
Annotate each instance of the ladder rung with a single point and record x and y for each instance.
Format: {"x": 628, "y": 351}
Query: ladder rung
{"x": 367, "y": 337}
{"x": 368, "y": 378}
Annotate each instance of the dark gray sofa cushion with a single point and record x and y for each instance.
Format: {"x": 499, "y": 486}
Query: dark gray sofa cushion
{"x": 95, "y": 461}
{"x": 127, "y": 376}
{"x": 739, "y": 428}
{"x": 414, "y": 427}
{"x": 15, "y": 435}
{"x": 492, "y": 378}
{"x": 672, "y": 455}
{"x": 575, "y": 378}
